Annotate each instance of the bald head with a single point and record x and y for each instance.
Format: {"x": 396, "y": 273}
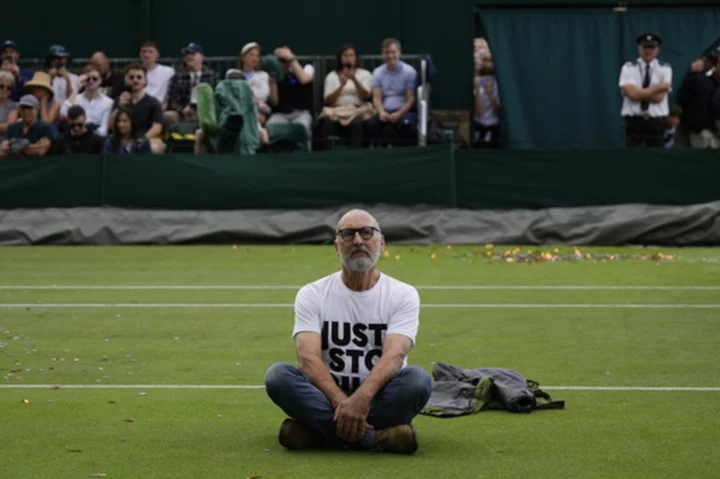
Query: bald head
{"x": 357, "y": 219}
{"x": 100, "y": 60}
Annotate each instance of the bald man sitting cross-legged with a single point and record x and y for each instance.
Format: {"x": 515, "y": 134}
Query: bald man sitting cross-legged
{"x": 353, "y": 330}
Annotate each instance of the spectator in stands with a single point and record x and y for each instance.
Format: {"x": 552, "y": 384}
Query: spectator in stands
{"x": 145, "y": 110}
{"x": 112, "y": 83}
{"x": 40, "y": 87}
{"x": 28, "y": 137}
{"x": 96, "y": 104}
{"x": 79, "y": 139}
{"x": 264, "y": 87}
{"x": 158, "y": 76}
{"x": 126, "y": 139}
{"x": 8, "y": 108}
{"x": 394, "y": 85}
{"x": 486, "y": 129}
{"x": 10, "y": 57}
{"x": 294, "y": 93}
{"x": 348, "y": 90}
{"x": 480, "y": 45}
{"x": 182, "y": 98}
{"x": 64, "y": 82}
{"x": 699, "y": 102}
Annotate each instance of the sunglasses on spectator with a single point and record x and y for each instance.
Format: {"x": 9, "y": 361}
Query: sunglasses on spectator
{"x": 93, "y": 79}
{"x": 135, "y": 77}
{"x": 76, "y": 125}
{"x": 366, "y": 232}
{"x": 5, "y": 87}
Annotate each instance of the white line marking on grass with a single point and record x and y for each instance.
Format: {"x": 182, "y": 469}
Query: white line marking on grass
{"x": 290, "y": 305}
{"x": 431, "y": 287}
{"x": 241, "y": 386}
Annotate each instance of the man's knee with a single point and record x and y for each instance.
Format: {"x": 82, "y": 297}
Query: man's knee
{"x": 416, "y": 382}
{"x": 277, "y": 376}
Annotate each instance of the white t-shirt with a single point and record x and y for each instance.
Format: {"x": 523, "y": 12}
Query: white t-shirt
{"x": 158, "y": 82}
{"x": 259, "y": 83}
{"x": 59, "y": 85}
{"x": 353, "y": 325}
{"x": 349, "y": 94}
{"x": 633, "y": 73}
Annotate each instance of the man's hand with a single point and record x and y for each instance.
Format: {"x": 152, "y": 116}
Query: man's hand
{"x": 64, "y": 73}
{"x": 663, "y": 86}
{"x": 394, "y": 117}
{"x": 351, "y": 416}
{"x": 4, "y": 148}
{"x": 188, "y": 112}
{"x": 384, "y": 116}
{"x": 53, "y": 72}
{"x": 12, "y": 68}
{"x": 698, "y": 65}
{"x": 124, "y": 98}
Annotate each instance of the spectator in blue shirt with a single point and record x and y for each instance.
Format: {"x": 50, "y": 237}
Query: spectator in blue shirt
{"x": 10, "y": 55}
{"x": 393, "y": 88}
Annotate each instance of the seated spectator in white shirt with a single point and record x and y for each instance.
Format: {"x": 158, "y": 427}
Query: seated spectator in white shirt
{"x": 8, "y": 108}
{"x": 263, "y": 86}
{"x": 63, "y": 81}
{"x": 348, "y": 87}
{"x": 92, "y": 98}
{"x": 158, "y": 76}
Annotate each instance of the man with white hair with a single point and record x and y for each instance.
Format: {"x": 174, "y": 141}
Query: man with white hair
{"x": 353, "y": 331}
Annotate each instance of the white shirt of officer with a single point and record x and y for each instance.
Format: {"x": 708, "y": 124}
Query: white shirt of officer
{"x": 633, "y": 73}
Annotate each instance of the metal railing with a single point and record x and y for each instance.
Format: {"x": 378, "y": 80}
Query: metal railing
{"x": 323, "y": 65}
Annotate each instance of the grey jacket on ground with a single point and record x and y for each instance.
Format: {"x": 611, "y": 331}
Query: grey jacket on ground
{"x": 457, "y": 391}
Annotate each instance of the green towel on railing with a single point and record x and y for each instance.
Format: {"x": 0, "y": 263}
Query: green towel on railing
{"x": 237, "y": 128}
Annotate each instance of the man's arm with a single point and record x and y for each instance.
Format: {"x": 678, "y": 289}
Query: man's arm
{"x": 309, "y": 353}
{"x": 395, "y": 349}
{"x": 40, "y": 148}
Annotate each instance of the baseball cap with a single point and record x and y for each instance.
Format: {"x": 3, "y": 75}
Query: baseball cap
{"x": 58, "y": 51}
{"x": 9, "y": 43}
{"x": 193, "y": 48}
{"x": 29, "y": 100}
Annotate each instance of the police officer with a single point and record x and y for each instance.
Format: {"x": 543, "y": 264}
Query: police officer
{"x": 645, "y": 84}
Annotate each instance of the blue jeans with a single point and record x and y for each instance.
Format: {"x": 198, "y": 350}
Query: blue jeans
{"x": 397, "y": 403}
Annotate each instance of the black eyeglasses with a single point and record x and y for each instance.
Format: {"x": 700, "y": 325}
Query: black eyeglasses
{"x": 5, "y": 87}
{"x": 366, "y": 232}
{"x": 93, "y": 79}
{"x": 135, "y": 77}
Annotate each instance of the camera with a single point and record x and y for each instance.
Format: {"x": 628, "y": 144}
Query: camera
{"x": 8, "y": 58}
{"x": 347, "y": 65}
{"x": 17, "y": 145}
{"x": 59, "y": 65}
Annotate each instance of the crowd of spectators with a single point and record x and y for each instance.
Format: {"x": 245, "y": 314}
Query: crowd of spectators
{"x": 97, "y": 109}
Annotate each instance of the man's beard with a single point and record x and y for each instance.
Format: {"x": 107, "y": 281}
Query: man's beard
{"x": 361, "y": 263}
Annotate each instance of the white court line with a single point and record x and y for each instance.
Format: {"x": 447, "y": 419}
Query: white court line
{"x": 430, "y": 287}
{"x": 241, "y": 386}
{"x": 290, "y": 305}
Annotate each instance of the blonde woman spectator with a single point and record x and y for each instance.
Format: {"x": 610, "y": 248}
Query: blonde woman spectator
{"x": 264, "y": 87}
{"x": 8, "y": 108}
{"x": 348, "y": 90}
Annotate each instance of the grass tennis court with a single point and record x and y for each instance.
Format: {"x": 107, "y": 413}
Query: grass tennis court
{"x": 584, "y": 327}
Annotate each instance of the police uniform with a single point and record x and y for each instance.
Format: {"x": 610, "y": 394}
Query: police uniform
{"x": 645, "y": 122}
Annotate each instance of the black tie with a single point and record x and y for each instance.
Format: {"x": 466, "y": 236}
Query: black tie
{"x": 646, "y": 83}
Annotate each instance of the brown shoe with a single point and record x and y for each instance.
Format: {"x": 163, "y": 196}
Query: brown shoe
{"x": 397, "y": 439}
{"x": 295, "y": 436}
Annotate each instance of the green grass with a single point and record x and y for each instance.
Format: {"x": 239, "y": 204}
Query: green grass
{"x": 177, "y": 433}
